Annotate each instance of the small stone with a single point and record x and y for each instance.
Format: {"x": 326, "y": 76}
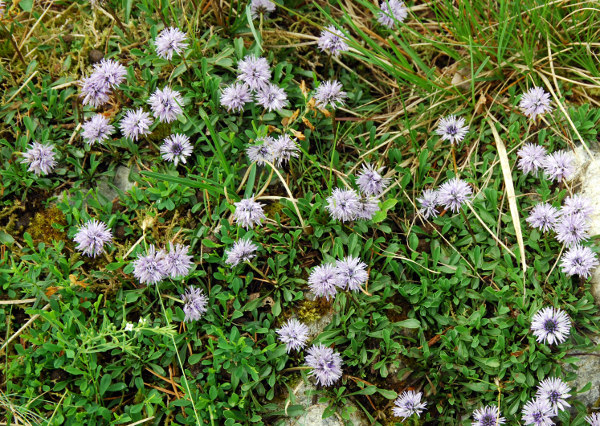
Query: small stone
{"x": 95, "y": 55}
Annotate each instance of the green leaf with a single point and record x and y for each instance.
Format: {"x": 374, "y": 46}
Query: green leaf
{"x": 104, "y": 383}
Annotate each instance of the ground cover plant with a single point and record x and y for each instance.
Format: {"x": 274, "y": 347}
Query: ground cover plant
{"x": 206, "y": 205}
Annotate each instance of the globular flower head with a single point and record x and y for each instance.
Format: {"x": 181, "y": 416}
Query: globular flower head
{"x": 531, "y": 158}
{"x": 195, "y": 303}
{"x": 176, "y": 148}
{"x": 487, "y": 416}
{"x": 579, "y": 260}
{"x": 326, "y": 364}
{"x": 169, "y": 41}
{"x": 367, "y": 207}
{"x": 97, "y": 129}
{"x": 242, "y": 251}
{"x": 572, "y": 229}
{"x": 453, "y": 194}
{"x": 40, "y": 158}
{"x": 537, "y": 412}
{"x": 428, "y": 203}
{"x": 262, "y": 151}
{"x": 135, "y": 124}
{"x": 149, "y": 268}
{"x": 392, "y": 11}
{"x": 283, "y": 149}
{"x": 551, "y": 325}
{"x": 332, "y": 41}
{"x": 323, "y": 281}
{"x": 351, "y": 273}
{"x": 254, "y": 72}
{"x": 95, "y": 91}
{"x": 271, "y": 97}
{"x": 177, "y": 262}
{"x": 543, "y": 216}
{"x": 330, "y": 93}
{"x": 261, "y": 7}
{"x": 452, "y": 128}
{"x": 370, "y": 181}
{"x": 593, "y": 419}
{"x": 293, "y": 334}
{"x": 166, "y": 104}
{"x": 559, "y": 166}
{"x": 248, "y": 213}
{"x": 111, "y": 71}
{"x": 91, "y": 237}
{"x": 409, "y": 403}
{"x": 577, "y": 204}
{"x": 535, "y": 102}
{"x": 343, "y": 204}
{"x": 235, "y": 97}
{"x": 555, "y": 391}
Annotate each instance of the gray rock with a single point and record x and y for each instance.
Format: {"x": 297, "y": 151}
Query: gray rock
{"x": 120, "y": 182}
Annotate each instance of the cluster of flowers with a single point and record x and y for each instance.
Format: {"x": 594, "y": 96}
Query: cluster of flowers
{"x": 348, "y": 204}
{"x": 451, "y": 196}
{"x": 156, "y": 265}
{"x": 349, "y": 273}
{"x": 571, "y": 226}
{"x": 557, "y": 166}
{"x": 254, "y": 75}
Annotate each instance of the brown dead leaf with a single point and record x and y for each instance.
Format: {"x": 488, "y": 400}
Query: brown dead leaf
{"x": 298, "y": 134}
{"x": 308, "y": 124}
{"x": 287, "y": 120}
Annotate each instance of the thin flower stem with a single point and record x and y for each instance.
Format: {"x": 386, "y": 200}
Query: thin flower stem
{"x": 454, "y": 159}
{"x": 266, "y": 185}
{"x": 462, "y": 212}
{"x": 291, "y": 197}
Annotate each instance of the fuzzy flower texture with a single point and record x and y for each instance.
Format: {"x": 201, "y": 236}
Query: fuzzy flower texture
{"x": 293, "y": 334}
{"x": 91, "y": 238}
{"x": 40, "y": 158}
{"x": 96, "y": 88}
{"x": 535, "y": 102}
{"x": 176, "y": 148}
{"x": 409, "y": 403}
{"x": 170, "y": 41}
{"x": 261, "y": 7}
{"x": 392, "y": 11}
{"x": 154, "y": 266}
{"x": 166, "y": 104}
{"x": 136, "y": 123}
{"x": 326, "y": 364}
{"x": 551, "y": 325}
{"x": 248, "y": 213}
{"x": 242, "y": 251}
{"x": 452, "y": 128}
{"x": 195, "y": 304}
{"x": 332, "y": 41}
{"x": 97, "y": 129}
{"x": 330, "y": 93}
{"x": 487, "y": 416}
{"x": 538, "y": 412}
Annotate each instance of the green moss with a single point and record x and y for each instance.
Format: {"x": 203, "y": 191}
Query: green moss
{"x": 312, "y": 310}
{"x": 42, "y": 226}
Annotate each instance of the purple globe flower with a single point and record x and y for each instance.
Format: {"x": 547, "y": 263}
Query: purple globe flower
{"x": 326, "y": 364}
{"x": 551, "y": 325}
{"x": 248, "y": 213}
{"x": 293, "y": 334}
{"x": 572, "y": 229}
{"x": 593, "y": 419}
{"x": 392, "y": 11}
{"x": 135, "y": 124}
{"x": 111, "y": 71}
{"x": 579, "y": 260}
{"x": 332, "y": 41}
{"x": 367, "y": 207}
{"x": 166, "y": 104}
{"x": 330, "y": 93}
{"x": 242, "y": 251}
{"x": 254, "y": 72}
{"x": 531, "y": 158}
{"x": 91, "y": 237}
{"x": 409, "y": 403}
{"x": 176, "y": 148}
{"x": 452, "y": 128}
{"x": 40, "y": 158}
{"x": 177, "y": 262}
{"x": 262, "y": 152}
{"x": 559, "y": 166}
{"x": 169, "y": 41}
{"x": 428, "y": 202}
{"x": 323, "y": 281}
{"x": 149, "y": 268}
{"x": 271, "y": 97}
{"x": 283, "y": 149}
{"x": 535, "y": 102}
{"x": 343, "y": 204}
{"x": 351, "y": 273}
{"x": 555, "y": 391}
{"x": 97, "y": 129}
{"x": 95, "y": 91}
{"x": 537, "y": 412}
{"x": 487, "y": 416}
{"x": 195, "y": 304}
{"x": 579, "y": 205}
{"x": 235, "y": 97}
{"x": 261, "y": 7}
{"x": 543, "y": 216}
{"x": 370, "y": 181}
{"x": 453, "y": 194}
